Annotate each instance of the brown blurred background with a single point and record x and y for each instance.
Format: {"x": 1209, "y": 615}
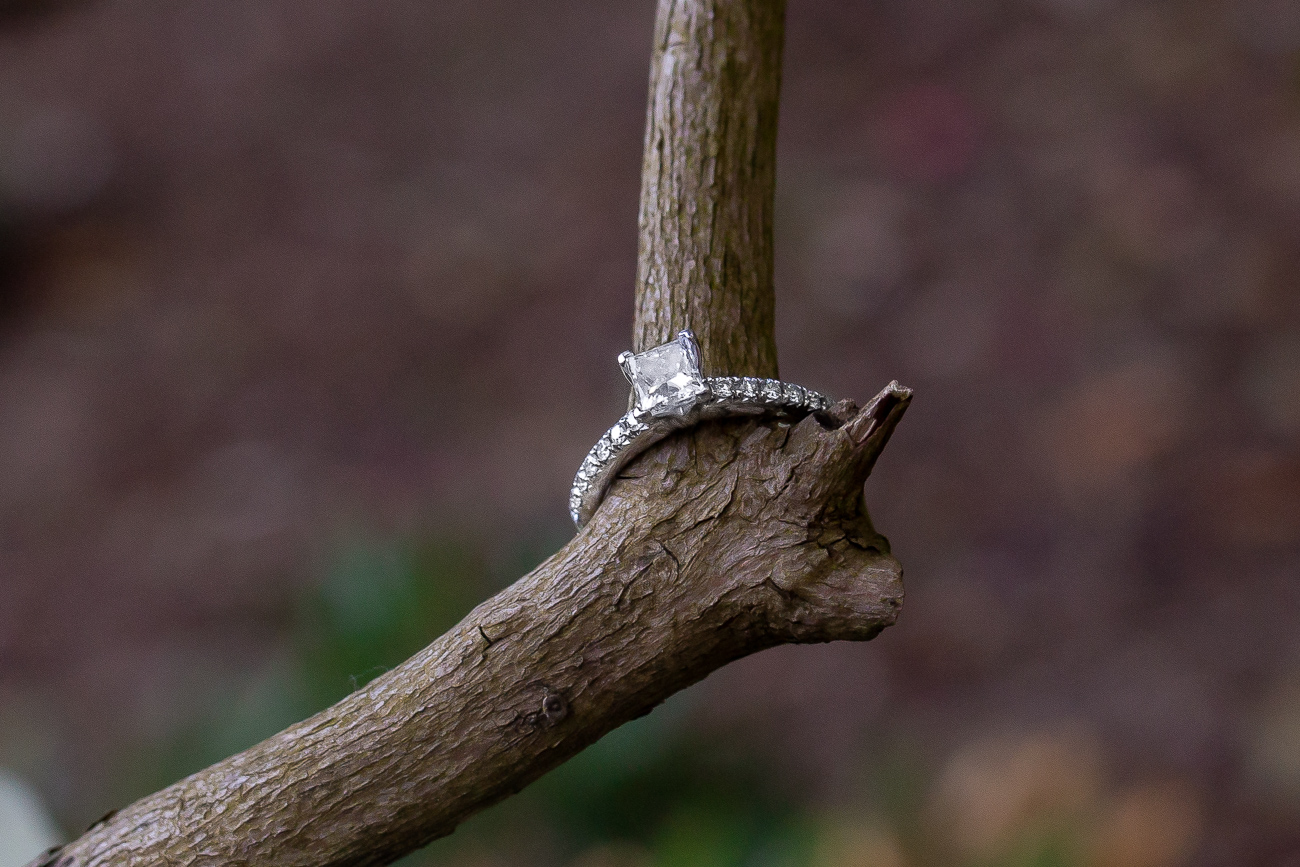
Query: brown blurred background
{"x": 309, "y": 310}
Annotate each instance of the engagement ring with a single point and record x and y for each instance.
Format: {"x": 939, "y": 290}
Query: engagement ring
{"x": 671, "y": 395}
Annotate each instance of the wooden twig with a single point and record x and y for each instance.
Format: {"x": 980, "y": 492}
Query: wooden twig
{"x": 707, "y": 179}
{"x": 725, "y": 539}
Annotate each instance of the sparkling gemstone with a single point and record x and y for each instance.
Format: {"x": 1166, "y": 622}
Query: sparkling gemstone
{"x": 771, "y": 390}
{"x": 667, "y": 378}
{"x": 749, "y": 388}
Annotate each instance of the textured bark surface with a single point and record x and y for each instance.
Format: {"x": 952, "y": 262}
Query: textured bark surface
{"x": 722, "y": 540}
{"x": 707, "y": 182}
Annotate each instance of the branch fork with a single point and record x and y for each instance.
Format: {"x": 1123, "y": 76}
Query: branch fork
{"x": 722, "y": 540}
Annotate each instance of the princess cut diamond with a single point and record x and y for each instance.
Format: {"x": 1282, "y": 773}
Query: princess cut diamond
{"x": 667, "y": 378}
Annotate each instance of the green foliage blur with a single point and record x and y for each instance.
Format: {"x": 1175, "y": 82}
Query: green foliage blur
{"x": 659, "y": 791}
{"x": 651, "y": 785}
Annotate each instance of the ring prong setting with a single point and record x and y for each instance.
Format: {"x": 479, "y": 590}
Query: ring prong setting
{"x": 667, "y": 378}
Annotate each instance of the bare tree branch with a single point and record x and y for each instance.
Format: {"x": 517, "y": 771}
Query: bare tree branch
{"x": 724, "y": 539}
{"x": 707, "y": 181}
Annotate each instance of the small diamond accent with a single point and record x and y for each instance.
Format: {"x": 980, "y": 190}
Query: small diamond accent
{"x": 771, "y": 390}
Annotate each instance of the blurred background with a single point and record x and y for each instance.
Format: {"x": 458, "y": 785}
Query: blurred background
{"x": 309, "y": 310}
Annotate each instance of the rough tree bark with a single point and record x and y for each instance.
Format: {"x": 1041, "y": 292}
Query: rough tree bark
{"x": 707, "y": 178}
{"x": 724, "y": 539}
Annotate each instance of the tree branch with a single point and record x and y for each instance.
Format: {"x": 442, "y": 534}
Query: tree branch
{"x": 723, "y": 540}
{"x": 726, "y": 540}
{"x": 708, "y": 177}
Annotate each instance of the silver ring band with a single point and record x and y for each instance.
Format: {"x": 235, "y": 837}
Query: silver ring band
{"x": 641, "y": 428}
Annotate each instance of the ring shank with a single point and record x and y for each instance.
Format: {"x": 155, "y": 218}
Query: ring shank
{"x": 637, "y": 431}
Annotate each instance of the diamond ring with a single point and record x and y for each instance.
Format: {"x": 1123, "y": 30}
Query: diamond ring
{"x": 671, "y": 395}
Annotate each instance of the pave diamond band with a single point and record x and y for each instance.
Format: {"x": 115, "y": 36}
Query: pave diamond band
{"x": 672, "y": 395}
